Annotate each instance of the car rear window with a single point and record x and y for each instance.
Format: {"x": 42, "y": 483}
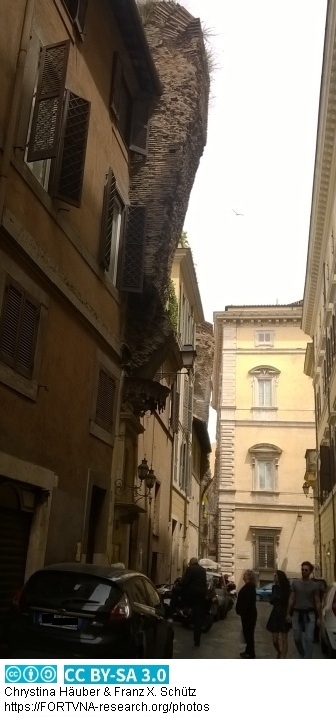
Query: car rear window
{"x": 58, "y": 589}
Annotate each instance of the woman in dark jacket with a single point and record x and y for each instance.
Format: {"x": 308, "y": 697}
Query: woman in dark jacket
{"x": 277, "y": 623}
{"x": 246, "y": 608}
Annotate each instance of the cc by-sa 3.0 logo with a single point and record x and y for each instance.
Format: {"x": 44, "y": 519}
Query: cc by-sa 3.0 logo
{"x": 31, "y": 673}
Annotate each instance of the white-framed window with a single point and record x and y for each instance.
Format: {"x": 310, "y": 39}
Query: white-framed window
{"x": 265, "y": 392}
{"x": 266, "y": 552}
{"x": 264, "y": 338}
{"x": 264, "y": 464}
{"x": 265, "y": 475}
{"x": 264, "y": 385}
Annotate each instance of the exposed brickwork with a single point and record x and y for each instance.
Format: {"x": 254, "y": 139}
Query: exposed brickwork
{"x": 163, "y": 180}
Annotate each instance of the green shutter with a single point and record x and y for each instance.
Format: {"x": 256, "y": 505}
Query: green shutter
{"x": 47, "y": 115}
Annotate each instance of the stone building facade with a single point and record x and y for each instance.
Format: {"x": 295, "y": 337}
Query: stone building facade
{"x": 78, "y": 353}
{"x": 265, "y": 422}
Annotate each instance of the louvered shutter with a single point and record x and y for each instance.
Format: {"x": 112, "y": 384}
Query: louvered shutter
{"x": 185, "y": 420}
{"x": 190, "y": 407}
{"x": 107, "y": 223}
{"x": 139, "y": 128}
{"x": 325, "y": 470}
{"x": 105, "y": 400}
{"x": 117, "y": 74}
{"x": 132, "y": 270}
{"x": 77, "y": 11}
{"x": 19, "y": 330}
{"x": 175, "y": 409}
{"x": 67, "y": 179}
{"x": 47, "y": 115}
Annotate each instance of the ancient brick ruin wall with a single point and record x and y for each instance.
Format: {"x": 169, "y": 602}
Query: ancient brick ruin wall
{"x": 163, "y": 181}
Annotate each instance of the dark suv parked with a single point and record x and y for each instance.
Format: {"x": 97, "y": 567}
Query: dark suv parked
{"x": 88, "y": 611}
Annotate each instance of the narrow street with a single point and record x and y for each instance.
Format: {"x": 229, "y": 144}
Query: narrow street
{"x": 222, "y": 642}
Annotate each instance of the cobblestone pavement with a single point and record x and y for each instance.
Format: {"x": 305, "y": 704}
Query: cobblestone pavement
{"x": 222, "y": 642}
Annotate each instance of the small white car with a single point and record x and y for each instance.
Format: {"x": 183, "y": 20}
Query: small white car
{"x": 328, "y": 622}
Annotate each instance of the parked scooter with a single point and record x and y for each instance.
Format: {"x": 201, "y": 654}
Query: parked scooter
{"x": 180, "y": 612}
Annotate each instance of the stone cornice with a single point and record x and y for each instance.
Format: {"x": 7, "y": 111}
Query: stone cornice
{"x": 184, "y": 257}
{"x": 324, "y": 176}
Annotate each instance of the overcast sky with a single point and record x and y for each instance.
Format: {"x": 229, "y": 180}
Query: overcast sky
{"x": 259, "y": 158}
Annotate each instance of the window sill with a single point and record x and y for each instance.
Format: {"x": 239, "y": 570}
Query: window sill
{"x": 14, "y": 380}
{"x": 264, "y": 408}
{"x": 265, "y": 492}
{"x": 101, "y": 433}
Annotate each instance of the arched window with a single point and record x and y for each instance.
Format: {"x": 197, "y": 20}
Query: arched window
{"x": 264, "y": 385}
{"x": 264, "y": 462}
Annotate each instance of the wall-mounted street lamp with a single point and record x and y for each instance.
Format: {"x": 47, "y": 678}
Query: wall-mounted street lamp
{"x": 188, "y": 355}
{"x": 147, "y": 480}
{"x": 305, "y": 489}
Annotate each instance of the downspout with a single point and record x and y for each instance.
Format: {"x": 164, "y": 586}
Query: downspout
{"x": 172, "y": 470}
{"x": 331, "y": 458}
{"x": 15, "y": 103}
{"x": 318, "y": 485}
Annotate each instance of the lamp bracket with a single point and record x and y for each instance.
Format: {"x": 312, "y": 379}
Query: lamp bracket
{"x": 121, "y": 487}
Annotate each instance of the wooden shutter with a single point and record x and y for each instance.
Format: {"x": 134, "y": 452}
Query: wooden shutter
{"x": 132, "y": 270}
{"x": 68, "y": 173}
{"x": 19, "y": 330}
{"x": 105, "y": 399}
{"x": 139, "y": 128}
{"x": 175, "y": 409}
{"x": 185, "y": 420}
{"x": 190, "y": 407}
{"x": 325, "y": 470}
{"x": 107, "y": 223}
{"x": 47, "y": 115}
{"x": 117, "y": 75}
{"x": 77, "y": 12}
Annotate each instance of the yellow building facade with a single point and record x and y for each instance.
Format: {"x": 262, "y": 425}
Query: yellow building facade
{"x": 319, "y": 310}
{"x": 265, "y": 422}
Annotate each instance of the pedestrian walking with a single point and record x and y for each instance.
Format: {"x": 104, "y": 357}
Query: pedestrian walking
{"x": 305, "y": 606}
{"x": 247, "y": 610}
{"x": 194, "y": 589}
{"x": 277, "y": 623}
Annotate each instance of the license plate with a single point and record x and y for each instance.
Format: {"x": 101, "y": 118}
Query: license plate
{"x": 54, "y": 620}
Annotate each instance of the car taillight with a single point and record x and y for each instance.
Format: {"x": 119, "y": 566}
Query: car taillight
{"x": 122, "y": 609}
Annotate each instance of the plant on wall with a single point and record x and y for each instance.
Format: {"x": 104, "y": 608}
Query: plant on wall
{"x": 172, "y": 305}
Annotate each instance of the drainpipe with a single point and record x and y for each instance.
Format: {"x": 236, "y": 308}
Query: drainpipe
{"x": 332, "y": 465}
{"x": 15, "y": 102}
{"x": 318, "y": 485}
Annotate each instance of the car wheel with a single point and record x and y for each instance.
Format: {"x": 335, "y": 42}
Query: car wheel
{"x": 169, "y": 648}
{"x": 140, "y": 650}
{"x": 324, "y": 647}
{"x": 208, "y": 621}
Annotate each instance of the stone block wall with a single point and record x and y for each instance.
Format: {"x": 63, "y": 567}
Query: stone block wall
{"x": 163, "y": 180}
